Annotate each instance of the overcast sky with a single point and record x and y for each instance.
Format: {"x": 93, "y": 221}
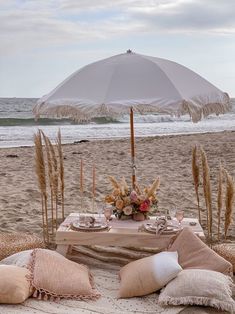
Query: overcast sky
{"x": 44, "y": 41}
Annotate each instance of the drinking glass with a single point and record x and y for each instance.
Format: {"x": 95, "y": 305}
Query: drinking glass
{"x": 108, "y": 211}
{"x": 172, "y": 212}
{"x": 179, "y": 215}
{"x": 100, "y": 212}
{"x": 82, "y": 219}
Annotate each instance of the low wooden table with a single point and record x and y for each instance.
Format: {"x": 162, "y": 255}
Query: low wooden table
{"x": 122, "y": 233}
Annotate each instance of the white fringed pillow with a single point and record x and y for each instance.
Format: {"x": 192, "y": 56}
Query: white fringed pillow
{"x": 20, "y": 259}
{"x": 148, "y": 274}
{"x": 199, "y": 287}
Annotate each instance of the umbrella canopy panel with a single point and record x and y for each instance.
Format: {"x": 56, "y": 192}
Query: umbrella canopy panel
{"x": 147, "y": 84}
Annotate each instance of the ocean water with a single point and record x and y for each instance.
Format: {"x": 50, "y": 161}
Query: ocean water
{"x": 17, "y": 125}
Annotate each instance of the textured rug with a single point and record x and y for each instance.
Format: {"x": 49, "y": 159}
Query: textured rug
{"x": 104, "y": 264}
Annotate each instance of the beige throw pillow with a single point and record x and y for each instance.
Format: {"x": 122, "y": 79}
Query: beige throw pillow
{"x": 54, "y": 276}
{"x": 199, "y": 287}
{"x": 194, "y": 253}
{"x": 14, "y": 286}
{"x": 148, "y": 274}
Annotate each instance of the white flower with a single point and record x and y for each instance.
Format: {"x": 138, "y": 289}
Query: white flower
{"x": 127, "y": 210}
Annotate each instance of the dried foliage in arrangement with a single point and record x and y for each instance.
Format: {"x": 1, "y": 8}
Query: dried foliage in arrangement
{"x": 207, "y": 190}
{"x": 61, "y": 170}
{"x": 50, "y": 176}
{"x": 196, "y": 178}
{"x": 220, "y": 198}
{"x": 229, "y": 200}
{"x": 41, "y": 175}
{"x": 54, "y": 179}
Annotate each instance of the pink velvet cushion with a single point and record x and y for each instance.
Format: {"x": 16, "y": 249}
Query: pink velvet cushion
{"x": 194, "y": 253}
{"x": 54, "y": 276}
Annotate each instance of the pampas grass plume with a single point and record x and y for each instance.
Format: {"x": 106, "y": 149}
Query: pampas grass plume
{"x": 154, "y": 187}
{"x": 207, "y": 190}
{"x": 220, "y": 198}
{"x": 114, "y": 182}
{"x": 61, "y": 171}
{"x": 196, "y": 178}
{"x": 230, "y": 191}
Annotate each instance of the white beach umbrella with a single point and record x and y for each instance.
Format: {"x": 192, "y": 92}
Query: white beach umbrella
{"x": 132, "y": 82}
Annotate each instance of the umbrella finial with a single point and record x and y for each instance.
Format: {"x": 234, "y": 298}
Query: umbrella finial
{"x": 129, "y": 51}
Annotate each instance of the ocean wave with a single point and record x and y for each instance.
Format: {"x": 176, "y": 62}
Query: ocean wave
{"x": 32, "y": 122}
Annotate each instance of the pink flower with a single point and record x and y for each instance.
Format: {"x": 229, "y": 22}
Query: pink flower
{"x": 144, "y": 207}
{"x": 133, "y": 196}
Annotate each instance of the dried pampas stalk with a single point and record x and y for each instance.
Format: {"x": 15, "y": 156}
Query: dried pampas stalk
{"x": 122, "y": 187}
{"x": 196, "y": 178}
{"x": 50, "y": 175}
{"x": 154, "y": 187}
{"x": 207, "y": 191}
{"x": 114, "y": 182}
{"x": 125, "y": 184}
{"x": 61, "y": 171}
{"x": 220, "y": 198}
{"x": 41, "y": 174}
{"x": 55, "y": 179}
{"x": 230, "y": 191}
{"x": 137, "y": 188}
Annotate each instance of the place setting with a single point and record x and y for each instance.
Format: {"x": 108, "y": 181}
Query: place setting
{"x": 89, "y": 223}
{"x": 165, "y": 225}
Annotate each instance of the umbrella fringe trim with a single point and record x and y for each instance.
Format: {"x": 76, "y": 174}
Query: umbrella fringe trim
{"x": 79, "y": 112}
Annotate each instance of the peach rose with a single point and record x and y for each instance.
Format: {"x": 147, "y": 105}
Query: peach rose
{"x": 119, "y": 204}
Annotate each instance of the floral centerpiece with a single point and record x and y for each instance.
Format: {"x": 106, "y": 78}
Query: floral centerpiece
{"x": 136, "y": 204}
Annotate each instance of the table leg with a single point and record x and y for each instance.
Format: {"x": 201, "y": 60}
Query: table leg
{"x": 62, "y": 249}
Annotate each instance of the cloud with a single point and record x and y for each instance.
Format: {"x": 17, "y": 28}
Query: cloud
{"x": 30, "y": 25}
{"x": 209, "y": 16}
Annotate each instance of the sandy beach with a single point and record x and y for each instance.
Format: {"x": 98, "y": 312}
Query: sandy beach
{"x": 168, "y": 157}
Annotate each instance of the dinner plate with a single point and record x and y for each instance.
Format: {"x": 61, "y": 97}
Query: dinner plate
{"x": 75, "y": 225}
{"x": 154, "y": 227}
{"x": 168, "y": 230}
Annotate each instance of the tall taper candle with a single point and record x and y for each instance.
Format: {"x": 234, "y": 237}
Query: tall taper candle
{"x": 81, "y": 183}
{"x": 93, "y": 181}
{"x": 81, "y": 177}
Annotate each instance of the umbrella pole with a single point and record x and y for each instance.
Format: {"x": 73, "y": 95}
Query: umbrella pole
{"x": 132, "y": 148}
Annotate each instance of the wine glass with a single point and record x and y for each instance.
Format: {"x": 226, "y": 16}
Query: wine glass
{"x": 82, "y": 219}
{"x": 172, "y": 212}
{"x": 108, "y": 211}
{"x": 179, "y": 215}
